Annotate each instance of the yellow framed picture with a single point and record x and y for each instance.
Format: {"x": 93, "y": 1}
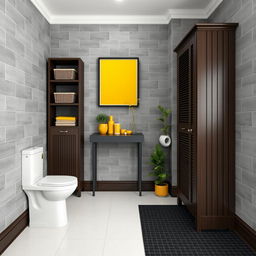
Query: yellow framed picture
{"x": 118, "y": 80}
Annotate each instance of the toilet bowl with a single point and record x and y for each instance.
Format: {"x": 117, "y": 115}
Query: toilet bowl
{"x": 46, "y": 195}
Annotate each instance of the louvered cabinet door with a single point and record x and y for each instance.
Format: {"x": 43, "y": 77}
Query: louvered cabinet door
{"x": 63, "y": 151}
{"x": 186, "y": 120}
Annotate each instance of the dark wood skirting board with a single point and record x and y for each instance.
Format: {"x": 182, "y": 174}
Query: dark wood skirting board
{"x": 245, "y": 232}
{"x": 11, "y": 232}
{"x": 118, "y": 186}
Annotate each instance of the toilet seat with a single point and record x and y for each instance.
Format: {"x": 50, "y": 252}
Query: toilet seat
{"x": 53, "y": 183}
{"x": 57, "y": 181}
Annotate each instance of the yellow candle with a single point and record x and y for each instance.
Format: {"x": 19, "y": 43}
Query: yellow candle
{"x": 117, "y": 128}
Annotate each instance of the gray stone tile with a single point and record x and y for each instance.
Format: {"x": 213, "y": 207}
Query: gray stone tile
{"x": 244, "y": 119}
{"x": 69, "y": 27}
{"x": 23, "y": 92}
{"x": 82, "y": 35}
{"x": 7, "y": 24}
{"x": 99, "y": 36}
{"x": 157, "y": 52}
{"x": 249, "y": 104}
{"x": 7, "y": 56}
{"x": 158, "y": 68}
{"x": 78, "y": 52}
{"x": 7, "y": 87}
{"x": 151, "y": 44}
{"x": 90, "y": 43}
{"x": 110, "y": 44}
{"x": 99, "y": 52}
{"x": 7, "y": 149}
{"x": 109, "y": 27}
{"x": 56, "y": 52}
{"x": 85, "y": 27}
{"x": 14, "y": 75}
{"x": 158, "y": 35}
{"x": 116, "y": 35}
{"x": 119, "y": 52}
{"x": 141, "y": 35}
{"x": 73, "y": 43}
{"x": 60, "y": 35}
{"x": 130, "y": 44}
{"x": 138, "y": 52}
{"x": 14, "y": 133}
{"x": 128, "y": 27}
{"x": 148, "y": 27}
{"x": 14, "y": 45}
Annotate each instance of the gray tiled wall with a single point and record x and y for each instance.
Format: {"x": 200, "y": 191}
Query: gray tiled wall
{"x": 24, "y": 46}
{"x": 244, "y": 12}
{"x": 149, "y": 43}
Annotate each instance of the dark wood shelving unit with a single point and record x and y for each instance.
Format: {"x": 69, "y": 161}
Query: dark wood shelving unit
{"x": 66, "y": 143}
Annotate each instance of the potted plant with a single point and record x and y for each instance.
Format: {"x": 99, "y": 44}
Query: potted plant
{"x": 102, "y": 120}
{"x": 157, "y": 160}
{"x": 165, "y": 139}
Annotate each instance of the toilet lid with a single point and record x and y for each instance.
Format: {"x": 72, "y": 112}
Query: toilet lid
{"x": 56, "y": 181}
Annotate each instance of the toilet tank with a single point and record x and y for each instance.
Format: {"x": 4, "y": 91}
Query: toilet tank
{"x": 32, "y": 165}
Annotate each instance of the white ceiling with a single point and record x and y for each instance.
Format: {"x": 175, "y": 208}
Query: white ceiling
{"x": 124, "y": 11}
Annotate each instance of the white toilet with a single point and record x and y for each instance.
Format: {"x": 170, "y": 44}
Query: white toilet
{"x": 46, "y": 195}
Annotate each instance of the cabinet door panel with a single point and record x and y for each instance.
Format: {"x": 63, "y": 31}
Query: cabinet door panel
{"x": 63, "y": 152}
{"x": 186, "y": 125}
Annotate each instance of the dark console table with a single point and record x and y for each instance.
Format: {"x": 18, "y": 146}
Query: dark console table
{"x": 96, "y": 138}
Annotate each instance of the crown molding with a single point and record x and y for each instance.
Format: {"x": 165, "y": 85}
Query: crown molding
{"x": 194, "y": 13}
{"x": 127, "y": 19}
{"x": 109, "y": 19}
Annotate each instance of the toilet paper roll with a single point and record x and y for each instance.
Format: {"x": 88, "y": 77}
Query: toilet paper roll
{"x": 165, "y": 140}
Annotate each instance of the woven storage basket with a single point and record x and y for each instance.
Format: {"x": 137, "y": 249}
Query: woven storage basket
{"x": 64, "y": 73}
{"x": 64, "y": 97}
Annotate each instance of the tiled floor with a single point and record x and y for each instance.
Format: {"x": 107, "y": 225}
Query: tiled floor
{"x": 105, "y": 225}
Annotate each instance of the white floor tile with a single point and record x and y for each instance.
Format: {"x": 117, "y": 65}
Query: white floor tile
{"x": 105, "y": 225}
{"x": 80, "y": 247}
{"x": 123, "y": 248}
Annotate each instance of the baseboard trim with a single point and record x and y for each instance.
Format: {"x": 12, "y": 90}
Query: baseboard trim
{"x": 245, "y": 232}
{"x": 118, "y": 186}
{"x": 11, "y": 232}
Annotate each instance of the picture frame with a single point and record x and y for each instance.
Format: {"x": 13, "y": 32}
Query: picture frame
{"x": 118, "y": 81}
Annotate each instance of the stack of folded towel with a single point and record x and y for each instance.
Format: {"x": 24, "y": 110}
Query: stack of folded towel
{"x": 65, "y": 121}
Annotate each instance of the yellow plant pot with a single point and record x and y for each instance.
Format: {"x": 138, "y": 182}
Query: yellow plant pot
{"x": 103, "y": 128}
{"x": 161, "y": 190}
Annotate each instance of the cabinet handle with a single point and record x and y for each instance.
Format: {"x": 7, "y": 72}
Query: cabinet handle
{"x": 64, "y": 131}
{"x": 183, "y": 128}
{"x": 190, "y": 130}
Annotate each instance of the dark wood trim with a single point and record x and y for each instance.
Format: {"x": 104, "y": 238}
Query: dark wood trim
{"x": 11, "y": 232}
{"x": 245, "y": 232}
{"x": 118, "y": 186}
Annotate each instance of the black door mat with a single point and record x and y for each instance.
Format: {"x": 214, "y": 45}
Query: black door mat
{"x": 169, "y": 230}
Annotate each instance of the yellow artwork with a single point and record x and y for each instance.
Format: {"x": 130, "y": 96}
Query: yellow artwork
{"x": 118, "y": 81}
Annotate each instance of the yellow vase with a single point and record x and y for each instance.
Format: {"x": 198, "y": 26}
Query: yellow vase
{"x": 103, "y": 128}
{"x": 161, "y": 190}
{"x": 111, "y": 125}
{"x": 117, "y": 128}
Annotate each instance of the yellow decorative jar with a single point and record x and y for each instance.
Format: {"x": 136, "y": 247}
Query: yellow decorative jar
{"x": 111, "y": 125}
{"x": 103, "y": 128}
{"x": 117, "y": 128}
{"x": 161, "y": 190}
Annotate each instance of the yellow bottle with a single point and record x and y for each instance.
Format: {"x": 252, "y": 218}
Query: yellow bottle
{"x": 110, "y": 126}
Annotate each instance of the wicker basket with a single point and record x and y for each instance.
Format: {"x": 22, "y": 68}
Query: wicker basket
{"x": 64, "y": 73}
{"x": 64, "y": 97}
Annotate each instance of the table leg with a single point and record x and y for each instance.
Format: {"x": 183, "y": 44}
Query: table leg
{"x": 139, "y": 167}
{"x": 94, "y": 167}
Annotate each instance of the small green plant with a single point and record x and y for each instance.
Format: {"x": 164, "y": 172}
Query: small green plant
{"x": 165, "y": 114}
{"x": 102, "y": 118}
{"x": 157, "y": 160}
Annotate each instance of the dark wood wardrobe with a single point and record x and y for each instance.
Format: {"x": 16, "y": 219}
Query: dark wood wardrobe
{"x": 206, "y": 124}
{"x": 65, "y": 144}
